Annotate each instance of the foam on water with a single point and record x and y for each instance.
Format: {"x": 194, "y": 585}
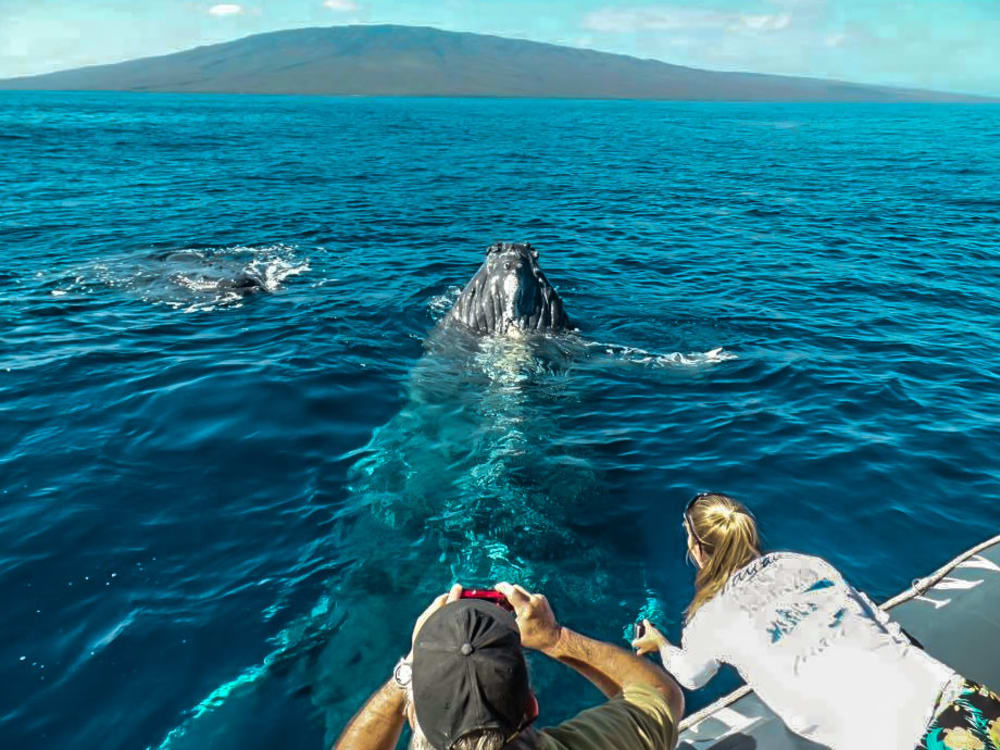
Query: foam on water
{"x": 440, "y": 304}
{"x": 674, "y": 359}
{"x": 498, "y": 352}
{"x": 200, "y": 279}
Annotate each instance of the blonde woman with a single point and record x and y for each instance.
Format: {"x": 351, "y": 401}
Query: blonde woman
{"x": 826, "y": 660}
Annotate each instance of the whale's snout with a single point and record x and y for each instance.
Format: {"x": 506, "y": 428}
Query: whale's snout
{"x": 517, "y": 287}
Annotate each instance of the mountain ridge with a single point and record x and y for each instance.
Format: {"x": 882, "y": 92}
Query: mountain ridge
{"x": 392, "y": 60}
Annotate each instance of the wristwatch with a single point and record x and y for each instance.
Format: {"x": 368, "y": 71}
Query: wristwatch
{"x": 402, "y": 674}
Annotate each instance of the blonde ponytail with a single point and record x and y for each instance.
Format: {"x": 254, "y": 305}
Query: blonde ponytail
{"x": 726, "y": 535}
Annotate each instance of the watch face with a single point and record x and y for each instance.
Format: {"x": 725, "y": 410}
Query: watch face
{"x": 402, "y": 674}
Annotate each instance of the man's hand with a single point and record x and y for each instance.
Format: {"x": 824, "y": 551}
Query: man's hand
{"x": 535, "y": 620}
{"x": 651, "y": 641}
{"x": 610, "y": 668}
{"x": 452, "y": 596}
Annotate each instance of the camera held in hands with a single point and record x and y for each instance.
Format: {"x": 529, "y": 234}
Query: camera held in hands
{"x": 489, "y": 595}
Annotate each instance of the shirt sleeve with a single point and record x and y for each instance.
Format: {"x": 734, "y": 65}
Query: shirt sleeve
{"x": 636, "y": 719}
{"x": 695, "y": 662}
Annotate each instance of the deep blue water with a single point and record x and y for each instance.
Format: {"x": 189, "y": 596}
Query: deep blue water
{"x": 220, "y": 514}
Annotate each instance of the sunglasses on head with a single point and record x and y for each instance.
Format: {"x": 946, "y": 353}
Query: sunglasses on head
{"x": 688, "y": 524}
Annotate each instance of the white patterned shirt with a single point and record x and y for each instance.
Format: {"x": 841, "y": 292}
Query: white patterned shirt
{"x": 822, "y": 656}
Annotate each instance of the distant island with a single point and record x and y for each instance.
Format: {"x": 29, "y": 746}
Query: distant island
{"x": 417, "y": 61}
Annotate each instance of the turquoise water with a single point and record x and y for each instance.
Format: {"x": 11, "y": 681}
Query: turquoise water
{"x": 222, "y": 511}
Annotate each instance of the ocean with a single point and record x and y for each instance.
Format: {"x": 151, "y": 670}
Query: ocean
{"x": 222, "y": 510}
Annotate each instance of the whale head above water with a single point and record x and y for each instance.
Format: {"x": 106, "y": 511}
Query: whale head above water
{"x": 509, "y": 294}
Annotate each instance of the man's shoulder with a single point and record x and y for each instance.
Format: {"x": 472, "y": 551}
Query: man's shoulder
{"x": 638, "y": 718}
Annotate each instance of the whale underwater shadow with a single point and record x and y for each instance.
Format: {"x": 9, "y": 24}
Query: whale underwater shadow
{"x": 475, "y": 473}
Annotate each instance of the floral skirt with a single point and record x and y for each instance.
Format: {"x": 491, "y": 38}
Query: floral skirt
{"x": 971, "y": 721}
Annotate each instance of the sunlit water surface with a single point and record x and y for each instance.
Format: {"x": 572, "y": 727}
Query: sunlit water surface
{"x": 222, "y": 508}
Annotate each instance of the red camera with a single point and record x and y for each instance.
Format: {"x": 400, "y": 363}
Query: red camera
{"x": 489, "y": 595}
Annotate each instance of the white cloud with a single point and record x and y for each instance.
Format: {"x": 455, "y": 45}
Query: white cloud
{"x": 341, "y": 6}
{"x": 665, "y": 18}
{"x": 722, "y": 38}
{"x": 682, "y": 18}
{"x": 806, "y": 37}
{"x": 766, "y": 21}
{"x": 226, "y": 9}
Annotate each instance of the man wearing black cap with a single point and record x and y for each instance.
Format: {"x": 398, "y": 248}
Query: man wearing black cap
{"x": 464, "y": 685}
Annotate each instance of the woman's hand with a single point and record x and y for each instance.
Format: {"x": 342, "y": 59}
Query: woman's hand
{"x": 651, "y": 640}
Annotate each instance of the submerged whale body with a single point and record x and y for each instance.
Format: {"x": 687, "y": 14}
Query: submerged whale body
{"x": 246, "y": 282}
{"x": 474, "y": 480}
{"x": 472, "y": 472}
{"x": 194, "y": 270}
{"x": 509, "y": 294}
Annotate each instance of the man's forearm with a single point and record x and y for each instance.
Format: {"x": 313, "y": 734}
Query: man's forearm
{"x": 610, "y": 667}
{"x": 573, "y": 650}
{"x": 378, "y": 724}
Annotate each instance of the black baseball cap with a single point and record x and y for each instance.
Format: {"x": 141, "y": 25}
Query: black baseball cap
{"x": 469, "y": 673}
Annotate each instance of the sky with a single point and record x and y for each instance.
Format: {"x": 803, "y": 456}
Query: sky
{"x": 950, "y": 45}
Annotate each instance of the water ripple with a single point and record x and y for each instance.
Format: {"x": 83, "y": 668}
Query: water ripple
{"x": 232, "y": 461}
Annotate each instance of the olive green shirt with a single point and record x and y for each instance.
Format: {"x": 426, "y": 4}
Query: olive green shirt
{"x": 636, "y": 719}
